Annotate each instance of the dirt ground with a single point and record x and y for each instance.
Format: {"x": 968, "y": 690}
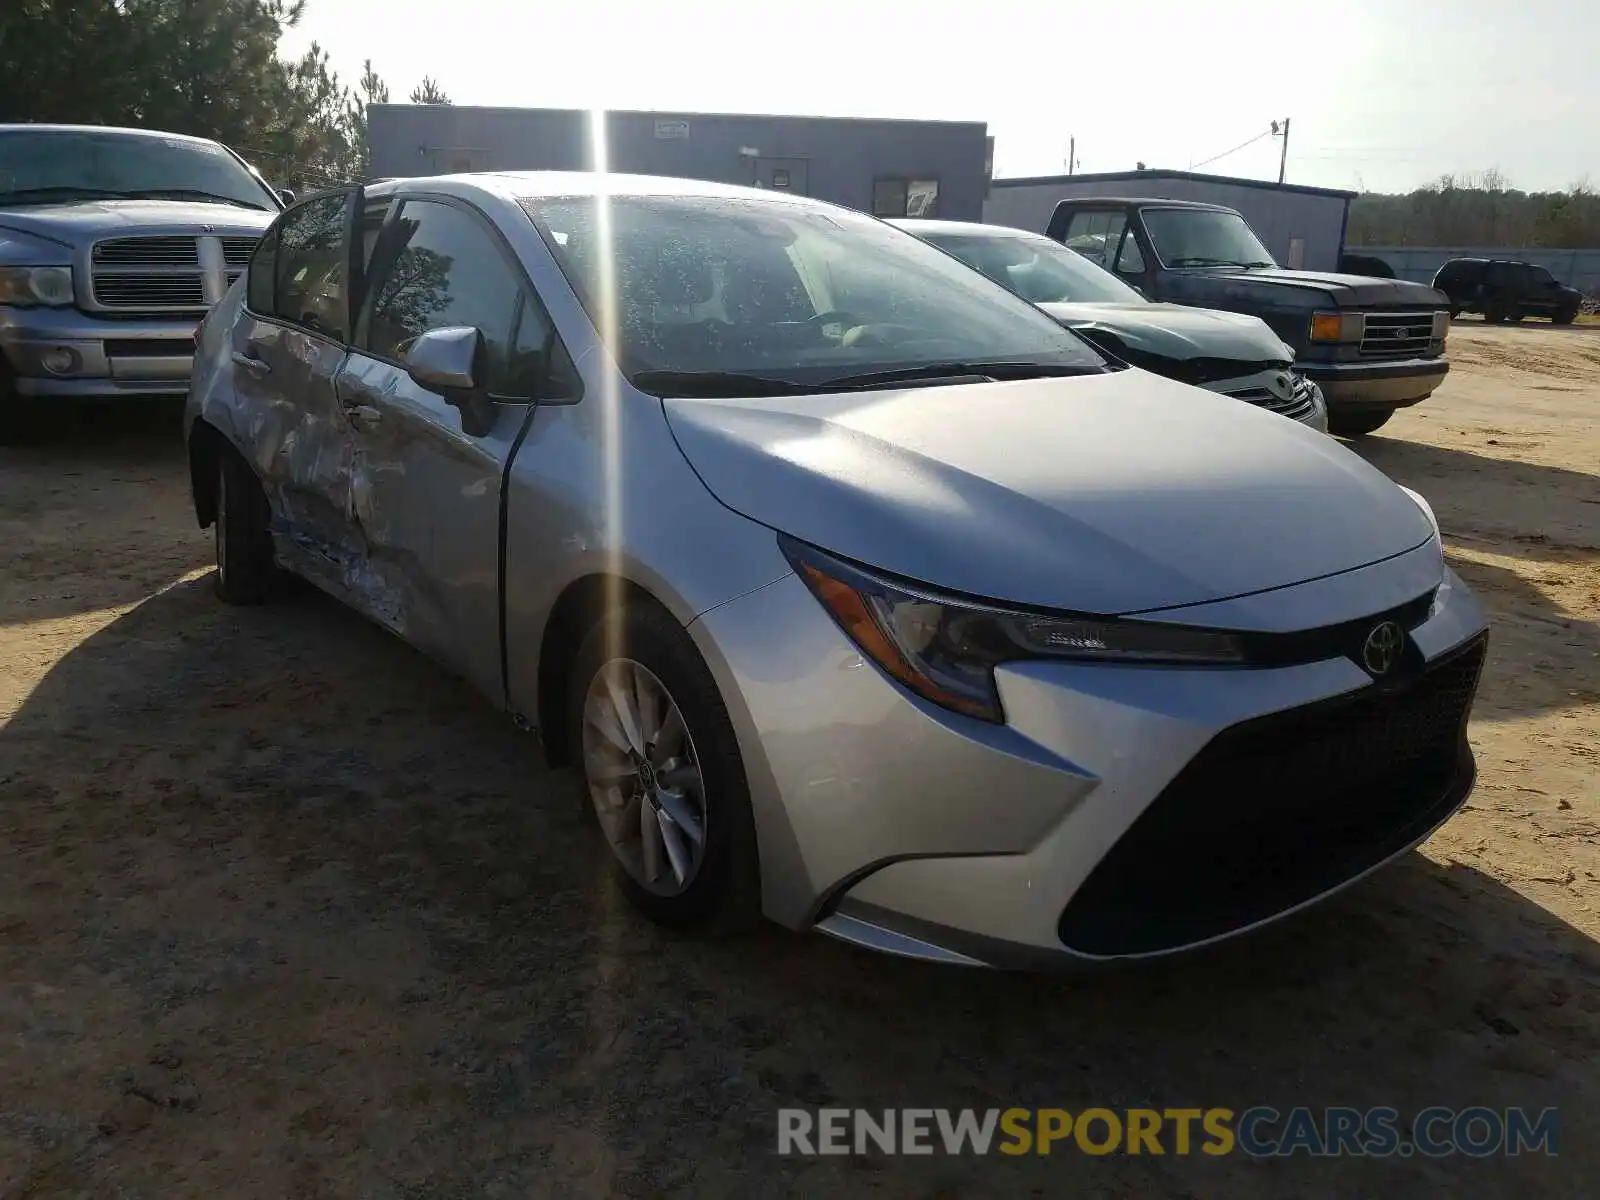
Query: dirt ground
{"x": 285, "y": 911}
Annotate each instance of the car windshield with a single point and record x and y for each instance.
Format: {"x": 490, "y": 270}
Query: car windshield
{"x": 786, "y": 291}
{"x": 43, "y": 166}
{"x": 1036, "y": 268}
{"x": 1199, "y": 237}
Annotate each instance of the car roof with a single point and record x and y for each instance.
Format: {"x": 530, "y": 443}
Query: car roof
{"x": 515, "y": 185}
{"x": 119, "y": 130}
{"x": 1145, "y": 202}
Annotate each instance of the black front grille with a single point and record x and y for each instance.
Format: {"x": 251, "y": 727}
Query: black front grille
{"x": 1275, "y": 811}
{"x": 167, "y": 251}
{"x": 236, "y": 250}
{"x": 150, "y": 291}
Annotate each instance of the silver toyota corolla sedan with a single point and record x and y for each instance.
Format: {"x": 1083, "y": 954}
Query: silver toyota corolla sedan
{"x": 858, "y": 592}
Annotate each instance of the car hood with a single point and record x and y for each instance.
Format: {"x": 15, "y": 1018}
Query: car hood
{"x": 1113, "y": 493}
{"x": 80, "y": 222}
{"x": 1177, "y": 332}
{"x": 1341, "y": 291}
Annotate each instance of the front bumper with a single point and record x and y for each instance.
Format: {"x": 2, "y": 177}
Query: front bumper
{"x": 889, "y": 822}
{"x": 1376, "y": 384}
{"x": 108, "y": 358}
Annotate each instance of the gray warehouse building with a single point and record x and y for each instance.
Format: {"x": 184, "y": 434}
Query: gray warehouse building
{"x": 891, "y": 168}
{"x": 1302, "y": 226}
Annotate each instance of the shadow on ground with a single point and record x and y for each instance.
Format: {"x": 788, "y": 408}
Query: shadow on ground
{"x": 273, "y": 871}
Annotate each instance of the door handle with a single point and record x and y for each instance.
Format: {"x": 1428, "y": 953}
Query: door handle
{"x": 250, "y": 362}
{"x": 364, "y": 416}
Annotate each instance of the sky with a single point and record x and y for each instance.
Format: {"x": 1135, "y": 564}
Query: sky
{"x": 1382, "y": 95}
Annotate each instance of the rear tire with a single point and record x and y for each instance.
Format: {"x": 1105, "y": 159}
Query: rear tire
{"x": 1356, "y": 424}
{"x": 722, "y": 894}
{"x": 1493, "y": 316}
{"x": 1565, "y": 317}
{"x": 246, "y": 570}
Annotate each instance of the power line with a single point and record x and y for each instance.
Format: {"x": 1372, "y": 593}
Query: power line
{"x": 1206, "y": 162}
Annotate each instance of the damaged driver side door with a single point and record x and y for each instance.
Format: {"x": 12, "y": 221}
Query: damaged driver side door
{"x": 427, "y": 468}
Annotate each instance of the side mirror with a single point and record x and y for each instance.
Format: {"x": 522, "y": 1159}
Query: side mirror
{"x": 449, "y": 362}
{"x": 446, "y": 360}
{"x": 287, "y": 195}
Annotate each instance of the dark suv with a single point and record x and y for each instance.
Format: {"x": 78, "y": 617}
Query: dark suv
{"x": 1372, "y": 345}
{"x": 1504, "y": 290}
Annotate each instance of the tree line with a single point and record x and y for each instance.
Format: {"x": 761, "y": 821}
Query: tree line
{"x": 204, "y": 67}
{"x": 1477, "y": 210}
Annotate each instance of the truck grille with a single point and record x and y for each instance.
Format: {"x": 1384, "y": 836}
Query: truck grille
{"x": 1278, "y": 810}
{"x": 168, "y": 273}
{"x": 1397, "y": 335}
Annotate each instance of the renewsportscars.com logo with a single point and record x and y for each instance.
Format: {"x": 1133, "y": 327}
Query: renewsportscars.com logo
{"x": 1260, "y": 1132}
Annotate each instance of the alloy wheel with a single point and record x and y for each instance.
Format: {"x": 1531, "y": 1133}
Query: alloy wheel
{"x": 644, "y": 777}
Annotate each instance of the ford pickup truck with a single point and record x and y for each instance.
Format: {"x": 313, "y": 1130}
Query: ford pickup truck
{"x": 1372, "y": 345}
{"x": 113, "y": 244}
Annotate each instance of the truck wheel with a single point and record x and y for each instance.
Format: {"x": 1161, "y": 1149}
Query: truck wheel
{"x": 1514, "y": 317}
{"x": 1454, "y": 313}
{"x": 1565, "y": 317}
{"x": 660, "y": 770}
{"x": 1494, "y": 316}
{"x": 1354, "y": 424}
{"x": 246, "y": 571}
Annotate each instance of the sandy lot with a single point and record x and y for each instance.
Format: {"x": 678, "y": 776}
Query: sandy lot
{"x": 284, "y": 911}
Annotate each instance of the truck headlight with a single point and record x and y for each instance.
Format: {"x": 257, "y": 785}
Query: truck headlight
{"x": 27, "y": 286}
{"x": 945, "y": 648}
{"x": 1337, "y": 327}
{"x": 1441, "y": 324}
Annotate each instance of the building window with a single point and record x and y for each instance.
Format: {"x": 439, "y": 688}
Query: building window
{"x": 900, "y": 197}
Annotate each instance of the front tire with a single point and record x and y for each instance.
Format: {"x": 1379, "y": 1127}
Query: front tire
{"x": 1356, "y": 424}
{"x": 246, "y": 570}
{"x": 659, "y": 769}
{"x": 1565, "y": 317}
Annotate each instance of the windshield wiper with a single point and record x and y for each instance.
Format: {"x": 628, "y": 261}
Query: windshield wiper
{"x": 1214, "y": 262}
{"x": 961, "y": 370}
{"x": 712, "y": 384}
{"x": 193, "y": 194}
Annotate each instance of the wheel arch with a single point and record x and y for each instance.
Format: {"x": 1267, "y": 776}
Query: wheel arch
{"x": 207, "y": 445}
{"x": 582, "y": 604}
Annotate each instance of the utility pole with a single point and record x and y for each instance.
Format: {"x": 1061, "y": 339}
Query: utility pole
{"x": 1283, "y": 157}
{"x": 1072, "y": 155}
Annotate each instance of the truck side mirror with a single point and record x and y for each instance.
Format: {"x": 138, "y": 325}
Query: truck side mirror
{"x": 287, "y": 195}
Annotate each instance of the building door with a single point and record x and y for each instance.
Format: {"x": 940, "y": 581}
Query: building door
{"x": 781, "y": 174}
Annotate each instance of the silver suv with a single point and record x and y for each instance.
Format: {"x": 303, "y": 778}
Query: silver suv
{"x": 113, "y": 244}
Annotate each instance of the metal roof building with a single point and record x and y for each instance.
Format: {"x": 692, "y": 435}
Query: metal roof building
{"x": 1302, "y": 226}
{"x": 889, "y": 167}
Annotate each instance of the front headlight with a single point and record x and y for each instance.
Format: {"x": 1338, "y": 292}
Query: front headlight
{"x": 1441, "y": 324}
{"x": 1337, "y": 327}
{"x": 27, "y": 286}
{"x": 945, "y": 648}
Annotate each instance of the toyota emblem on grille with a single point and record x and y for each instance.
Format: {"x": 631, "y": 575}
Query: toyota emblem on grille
{"x": 1381, "y": 651}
